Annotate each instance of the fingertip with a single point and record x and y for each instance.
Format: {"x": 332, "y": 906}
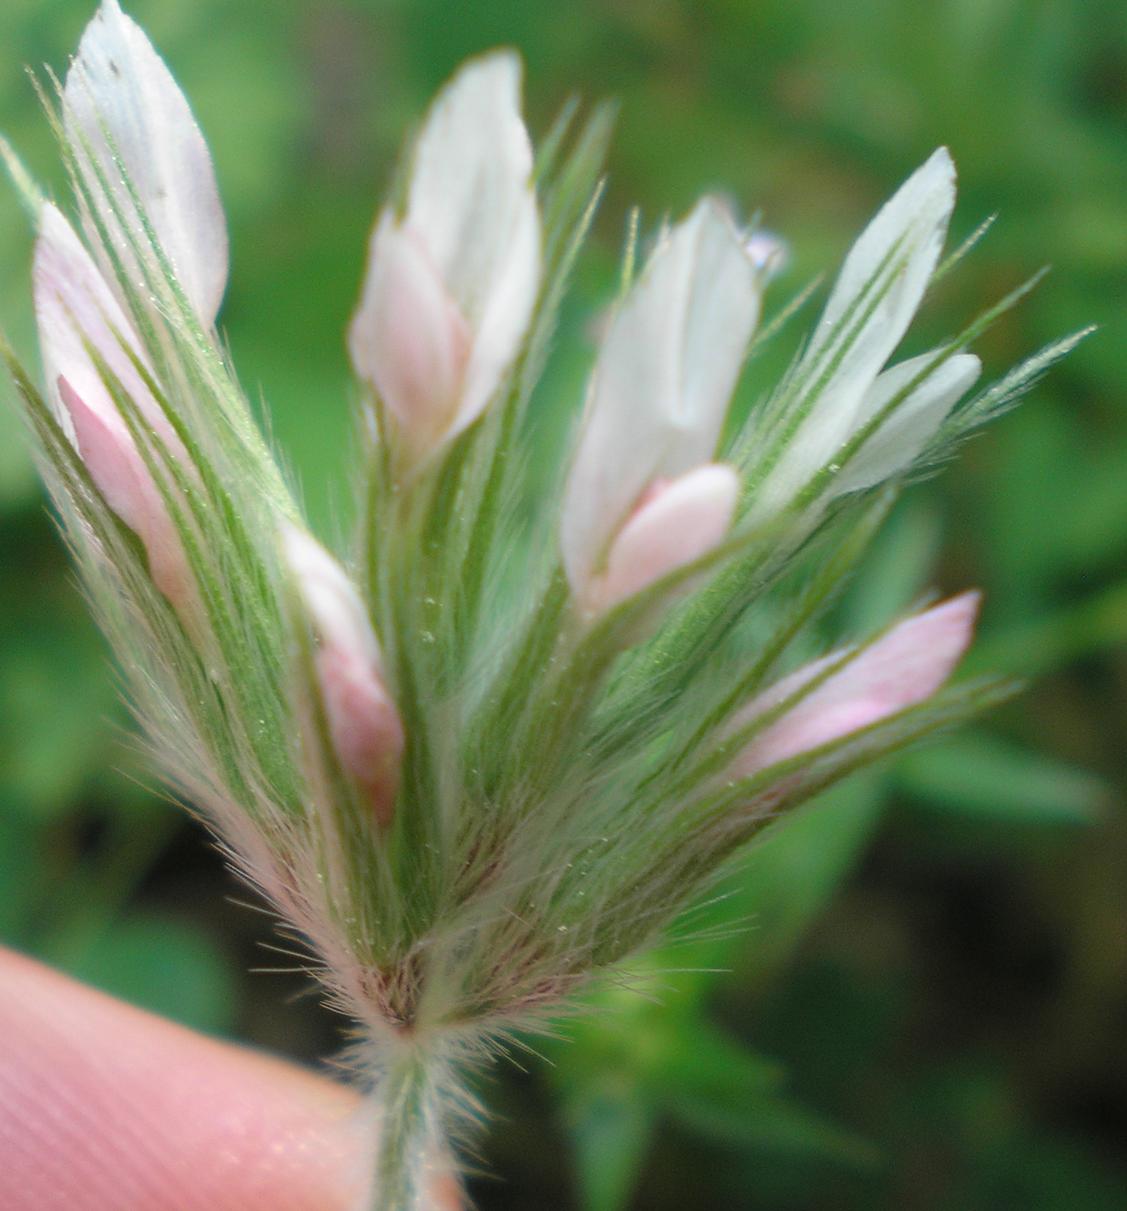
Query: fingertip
{"x": 104, "y": 1106}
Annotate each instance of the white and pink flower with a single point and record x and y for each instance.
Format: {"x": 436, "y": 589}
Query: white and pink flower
{"x": 644, "y": 495}
{"x": 452, "y": 281}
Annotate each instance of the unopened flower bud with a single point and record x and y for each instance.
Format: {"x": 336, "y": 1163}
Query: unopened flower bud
{"x": 77, "y": 312}
{"x": 452, "y": 282}
{"x": 364, "y": 725}
{"x": 870, "y": 307}
{"x": 123, "y": 109}
{"x": 910, "y": 425}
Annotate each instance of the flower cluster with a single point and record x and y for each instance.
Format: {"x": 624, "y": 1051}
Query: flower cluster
{"x": 497, "y": 748}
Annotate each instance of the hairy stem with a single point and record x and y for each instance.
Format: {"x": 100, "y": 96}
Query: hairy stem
{"x": 412, "y": 1161}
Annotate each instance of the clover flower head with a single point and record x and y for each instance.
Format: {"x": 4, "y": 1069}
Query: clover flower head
{"x": 496, "y": 749}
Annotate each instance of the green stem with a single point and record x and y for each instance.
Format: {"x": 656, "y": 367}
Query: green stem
{"x": 411, "y": 1147}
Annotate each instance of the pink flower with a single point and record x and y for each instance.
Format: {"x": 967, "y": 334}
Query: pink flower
{"x": 121, "y": 476}
{"x": 146, "y": 170}
{"x": 902, "y": 668}
{"x": 674, "y": 523}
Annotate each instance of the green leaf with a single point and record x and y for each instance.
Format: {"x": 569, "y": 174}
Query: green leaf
{"x": 165, "y": 965}
{"x": 776, "y": 1124}
{"x": 56, "y": 702}
{"x": 611, "y": 1132}
{"x": 796, "y": 870}
{"x": 979, "y": 775}
{"x": 705, "y": 1063}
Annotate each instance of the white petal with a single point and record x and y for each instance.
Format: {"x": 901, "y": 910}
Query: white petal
{"x": 904, "y": 239}
{"x": 678, "y": 524}
{"x": 504, "y": 320}
{"x": 721, "y": 304}
{"x": 408, "y": 339}
{"x": 363, "y": 722}
{"x": 471, "y": 179}
{"x": 912, "y": 423}
{"x": 118, "y": 82}
{"x": 902, "y": 668}
{"x": 73, "y": 307}
{"x": 908, "y": 231}
{"x": 663, "y": 379}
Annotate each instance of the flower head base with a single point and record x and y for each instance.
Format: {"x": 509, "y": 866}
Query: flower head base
{"x": 507, "y": 752}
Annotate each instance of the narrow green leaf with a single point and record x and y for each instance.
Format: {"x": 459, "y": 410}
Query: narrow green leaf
{"x": 611, "y": 1133}
{"x": 981, "y": 776}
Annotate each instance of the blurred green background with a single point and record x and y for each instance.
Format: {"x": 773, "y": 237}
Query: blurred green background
{"x": 922, "y": 998}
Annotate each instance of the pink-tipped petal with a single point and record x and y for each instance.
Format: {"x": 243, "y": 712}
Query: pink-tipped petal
{"x": 408, "y": 339}
{"x": 120, "y": 474}
{"x": 679, "y": 522}
{"x": 118, "y": 86}
{"x": 363, "y": 722}
{"x": 76, "y": 313}
{"x": 902, "y": 668}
